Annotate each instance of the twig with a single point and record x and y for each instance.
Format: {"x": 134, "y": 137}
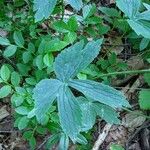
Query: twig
{"x": 43, "y": 143}
{"x": 8, "y": 131}
{"x": 102, "y": 137}
{"x": 144, "y": 125}
{"x": 126, "y": 72}
{"x": 108, "y": 44}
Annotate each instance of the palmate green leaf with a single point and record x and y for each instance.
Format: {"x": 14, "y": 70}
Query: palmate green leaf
{"x": 129, "y": 7}
{"x": 69, "y": 112}
{"x": 45, "y": 93}
{"x": 67, "y": 65}
{"x": 43, "y": 8}
{"x": 100, "y": 92}
{"x": 76, "y": 4}
{"x": 75, "y": 58}
{"x": 138, "y": 21}
{"x": 141, "y": 27}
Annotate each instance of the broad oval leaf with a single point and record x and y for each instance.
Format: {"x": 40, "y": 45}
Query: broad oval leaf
{"x": 4, "y": 41}
{"x": 5, "y": 72}
{"x": 45, "y": 93}
{"x": 10, "y": 51}
{"x": 43, "y": 8}
{"x": 4, "y": 91}
{"x": 69, "y": 113}
{"x": 74, "y": 59}
{"x": 100, "y": 92}
{"x": 18, "y": 38}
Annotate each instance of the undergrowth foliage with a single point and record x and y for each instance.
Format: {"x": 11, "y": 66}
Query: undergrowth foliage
{"x": 54, "y": 85}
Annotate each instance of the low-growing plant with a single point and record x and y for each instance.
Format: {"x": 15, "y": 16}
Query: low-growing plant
{"x": 48, "y": 69}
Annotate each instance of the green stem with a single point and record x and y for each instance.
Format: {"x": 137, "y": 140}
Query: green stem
{"x": 126, "y": 72}
{"x": 63, "y": 9}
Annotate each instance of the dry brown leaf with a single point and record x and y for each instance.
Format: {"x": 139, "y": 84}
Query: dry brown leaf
{"x": 133, "y": 120}
{"x": 3, "y": 113}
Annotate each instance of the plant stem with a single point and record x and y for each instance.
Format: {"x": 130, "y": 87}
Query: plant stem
{"x": 63, "y": 9}
{"x": 126, "y": 72}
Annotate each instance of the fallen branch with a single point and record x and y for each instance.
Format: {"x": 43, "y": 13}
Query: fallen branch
{"x": 102, "y": 137}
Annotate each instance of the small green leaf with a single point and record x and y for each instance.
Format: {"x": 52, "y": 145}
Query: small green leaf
{"x": 72, "y": 24}
{"x": 4, "y": 91}
{"x": 70, "y": 37}
{"x": 39, "y": 62}
{"x": 18, "y": 38}
{"x": 41, "y": 130}
{"x": 10, "y": 51}
{"x": 23, "y": 123}
{"x": 32, "y": 143}
{"x": 26, "y": 56}
{"x": 109, "y": 11}
{"x": 4, "y": 41}
{"x": 23, "y": 69}
{"x": 22, "y": 110}
{"x": 31, "y": 81}
{"x": 27, "y": 135}
{"x": 60, "y": 26}
{"x": 48, "y": 59}
{"x": 144, "y": 99}
{"x": 88, "y": 10}
{"x": 43, "y": 8}
{"x": 17, "y": 99}
{"x": 15, "y": 78}
{"x": 5, "y": 73}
